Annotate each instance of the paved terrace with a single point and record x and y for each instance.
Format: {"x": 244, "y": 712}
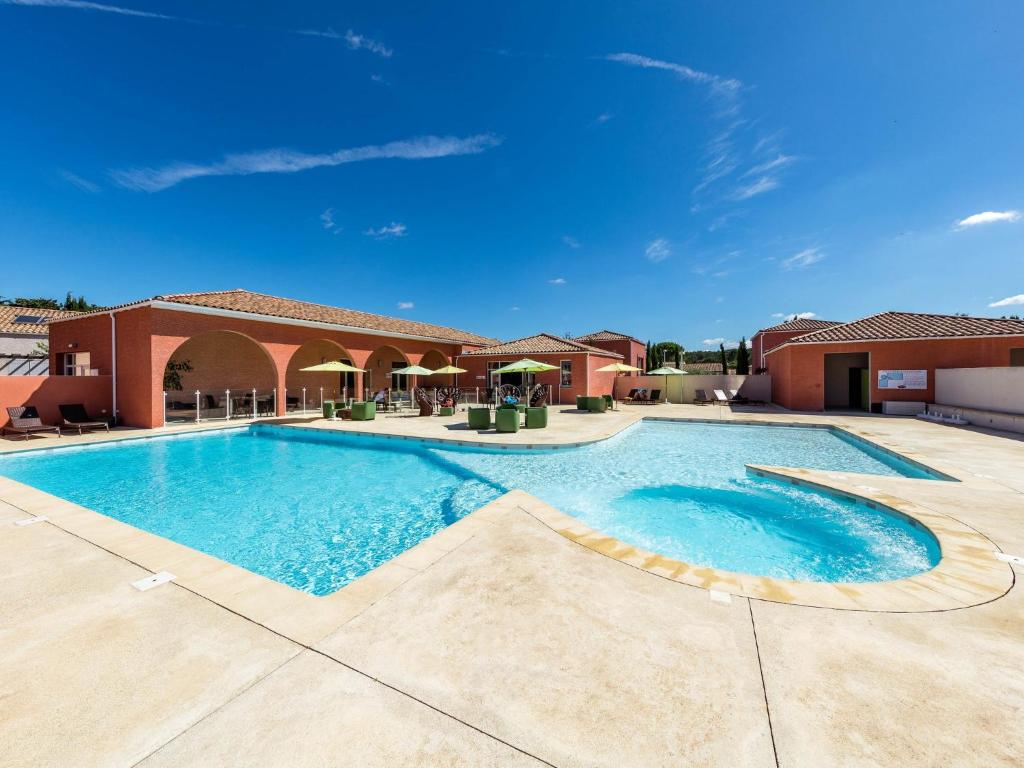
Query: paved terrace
{"x": 502, "y": 641}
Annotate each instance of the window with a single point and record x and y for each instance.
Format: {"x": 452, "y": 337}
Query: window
{"x": 566, "y": 380}
{"x": 76, "y": 364}
{"x": 1017, "y": 356}
{"x": 491, "y": 366}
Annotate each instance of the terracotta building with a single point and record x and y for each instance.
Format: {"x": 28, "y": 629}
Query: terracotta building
{"x": 769, "y": 338}
{"x": 244, "y": 343}
{"x": 633, "y": 351}
{"x": 576, "y": 366}
{"x": 885, "y": 357}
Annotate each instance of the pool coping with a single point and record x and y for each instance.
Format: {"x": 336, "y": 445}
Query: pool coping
{"x": 967, "y": 574}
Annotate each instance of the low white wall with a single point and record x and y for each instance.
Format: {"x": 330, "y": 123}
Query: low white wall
{"x": 683, "y": 389}
{"x": 986, "y": 389}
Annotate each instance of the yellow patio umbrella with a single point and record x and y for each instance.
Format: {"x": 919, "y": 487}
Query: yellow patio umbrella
{"x": 333, "y": 366}
{"x": 452, "y": 369}
{"x": 617, "y": 368}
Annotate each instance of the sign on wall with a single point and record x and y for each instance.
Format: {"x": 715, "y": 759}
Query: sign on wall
{"x": 903, "y": 379}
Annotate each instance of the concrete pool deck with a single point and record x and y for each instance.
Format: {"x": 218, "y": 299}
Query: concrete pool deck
{"x": 509, "y": 643}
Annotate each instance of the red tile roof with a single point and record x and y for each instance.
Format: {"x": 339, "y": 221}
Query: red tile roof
{"x": 540, "y": 344}
{"x": 239, "y": 300}
{"x": 890, "y": 326}
{"x": 606, "y": 336}
{"x": 801, "y": 324}
{"x": 38, "y": 327}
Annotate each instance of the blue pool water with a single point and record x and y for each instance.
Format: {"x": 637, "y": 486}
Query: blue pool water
{"x": 317, "y": 510}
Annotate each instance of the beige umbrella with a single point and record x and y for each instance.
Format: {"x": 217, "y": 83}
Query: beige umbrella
{"x": 617, "y": 368}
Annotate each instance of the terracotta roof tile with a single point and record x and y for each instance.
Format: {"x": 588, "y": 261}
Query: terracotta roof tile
{"x": 239, "y": 300}
{"x": 887, "y": 326}
{"x": 801, "y": 324}
{"x": 37, "y": 327}
{"x": 540, "y": 344}
{"x": 606, "y": 336}
{"x": 705, "y": 369}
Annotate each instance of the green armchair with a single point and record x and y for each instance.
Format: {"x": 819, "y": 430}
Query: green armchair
{"x": 595, "y": 404}
{"x": 364, "y": 411}
{"x": 328, "y": 409}
{"x": 506, "y": 420}
{"x": 581, "y": 402}
{"x": 479, "y": 418}
{"x": 536, "y": 418}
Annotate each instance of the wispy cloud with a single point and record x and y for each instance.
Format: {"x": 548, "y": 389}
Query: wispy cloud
{"x": 685, "y": 72}
{"x": 83, "y": 5}
{"x": 355, "y": 42}
{"x": 327, "y": 219}
{"x": 603, "y": 118}
{"x": 794, "y": 315}
{"x": 557, "y": 281}
{"x": 513, "y": 309}
{"x": 759, "y": 187}
{"x": 988, "y": 217}
{"x": 571, "y": 241}
{"x": 392, "y": 230}
{"x": 778, "y": 162}
{"x": 78, "y": 182}
{"x": 292, "y": 161}
{"x": 720, "y": 340}
{"x": 406, "y": 305}
{"x": 1009, "y": 301}
{"x": 804, "y": 259}
{"x": 658, "y": 250}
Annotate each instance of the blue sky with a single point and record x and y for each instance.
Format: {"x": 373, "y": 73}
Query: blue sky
{"x": 680, "y": 171}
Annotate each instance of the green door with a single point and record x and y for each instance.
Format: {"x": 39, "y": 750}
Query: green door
{"x": 865, "y": 389}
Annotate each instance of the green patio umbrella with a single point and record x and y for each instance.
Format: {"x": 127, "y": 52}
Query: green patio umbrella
{"x": 666, "y": 371}
{"x": 524, "y": 366}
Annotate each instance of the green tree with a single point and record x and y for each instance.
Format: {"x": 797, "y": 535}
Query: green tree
{"x": 648, "y": 357}
{"x": 669, "y": 350}
{"x": 742, "y": 358}
{"x": 725, "y": 360}
{"x": 172, "y": 374}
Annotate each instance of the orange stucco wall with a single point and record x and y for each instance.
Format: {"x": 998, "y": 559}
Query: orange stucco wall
{"x": 47, "y": 392}
{"x": 585, "y": 379}
{"x": 798, "y": 371}
{"x": 632, "y": 351}
{"x": 147, "y": 338}
{"x": 763, "y": 341}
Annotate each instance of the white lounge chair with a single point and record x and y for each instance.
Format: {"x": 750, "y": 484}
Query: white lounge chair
{"x": 720, "y": 397}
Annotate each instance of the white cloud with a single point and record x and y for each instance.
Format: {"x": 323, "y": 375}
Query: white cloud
{"x": 794, "y": 315}
{"x": 780, "y": 161}
{"x": 603, "y": 118}
{"x": 658, "y": 250}
{"x": 406, "y": 305}
{"x": 557, "y": 281}
{"x": 355, "y": 42}
{"x": 77, "y": 181}
{"x": 572, "y": 242}
{"x": 1009, "y": 301}
{"x": 720, "y": 340}
{"x": 685, "y": 72}
{"x": 292, "y": 161}
{"x": 988, "y": 217}
{"x": 392, "y": 230}
{"x": 513, "y": 309}
{"x": 762, "y": 185}
{"x": 83, "y": 5}
{"x": 804, "y": 259}
{"x": 327, "y": 219}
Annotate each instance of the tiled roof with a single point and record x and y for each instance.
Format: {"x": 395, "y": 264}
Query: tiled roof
{"x": 34, "y": 328}
{"x": 801, "y": 324}
{"x": 606, "y": 336}
{"x": 540, "y": 344}
{"x": 887, "y": 326}
{"x": 239, "y": 300}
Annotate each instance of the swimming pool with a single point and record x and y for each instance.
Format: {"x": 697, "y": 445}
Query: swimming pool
{"x": 316, "y": 509}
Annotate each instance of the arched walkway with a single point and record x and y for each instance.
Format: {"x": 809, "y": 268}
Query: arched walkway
{"x": 433, "y": 360}
{"x": 335, "y": 385}
{"x": 379, "y": 366}
{"x": 215, "y": 363}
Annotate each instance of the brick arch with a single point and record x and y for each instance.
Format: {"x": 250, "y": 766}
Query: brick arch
{"x": 433, "y": 359}
{"x": 334, "y": 385}
{"x": 222, "y": 360}
{"x": 378, "y": 366}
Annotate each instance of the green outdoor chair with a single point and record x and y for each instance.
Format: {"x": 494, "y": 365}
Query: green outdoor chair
{"x": 536, "y": 418}
{"x": 328, "y": 409}
{"x": 595, "y": 404}
{"x": 364, "y": 411}
{"x": 581, "y": 402}
{"x": 607, "y": 402}
{"x": 506, "y": 420}
{"x": 479, "y": 418}
{"x": 446, "y": 410}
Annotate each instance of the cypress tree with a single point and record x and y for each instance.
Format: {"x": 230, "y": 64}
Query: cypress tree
{"x": 742, "y": 358}
{"x": 725, "y": 361}
{"x": 647, "y": 357}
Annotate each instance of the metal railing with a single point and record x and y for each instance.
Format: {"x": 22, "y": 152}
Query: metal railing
{"x": 219, "y": 404}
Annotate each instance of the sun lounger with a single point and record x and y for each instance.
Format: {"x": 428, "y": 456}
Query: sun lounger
{"x": 702, "y": 398}
{"x": 631, "y": 396}
{"x": 75, "y": 415}
{"x": 720, "y": 397}
{"x": 655, "y": 397}
{"x": 736, "y": 397}
{"x": 25, "y": 420}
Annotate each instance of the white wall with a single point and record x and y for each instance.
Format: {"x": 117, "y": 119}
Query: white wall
{"x": 683, "y": 389}
{"x": 987, "y": 389}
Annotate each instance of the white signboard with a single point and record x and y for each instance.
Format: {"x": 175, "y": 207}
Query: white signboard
{"x": 903, "y": 379}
